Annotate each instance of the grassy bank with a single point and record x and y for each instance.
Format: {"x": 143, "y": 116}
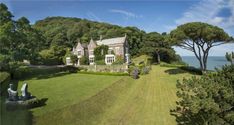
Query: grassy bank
{"x": 146, "y": 101}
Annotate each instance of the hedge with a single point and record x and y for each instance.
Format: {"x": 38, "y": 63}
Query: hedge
{"x": 105, "y": 73}
{"x": 26, "y": 72}
{"x": 4, "y": 81}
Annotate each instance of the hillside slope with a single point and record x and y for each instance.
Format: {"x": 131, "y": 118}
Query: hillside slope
{"x": 146, "y": 101}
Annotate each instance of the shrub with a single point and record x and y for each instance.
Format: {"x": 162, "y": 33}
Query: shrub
{"x": 27, "y": 72}
{"x": 118, "y": 60}
{"x": 135, "y": 73}
{"x": 100, "y": 62}
{"x": 4, "y": 62}
{"x": 100, "y": 52}
{"x": 105, "y": 73}
{"x": 53, "y": 55}
{"x": 207, "y": 99}
{"x": 21, "y": 71}
{"x": 84, "y": 60}
{"x": 145, "y": 70}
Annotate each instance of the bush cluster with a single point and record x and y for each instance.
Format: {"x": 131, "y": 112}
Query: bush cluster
{"x": 100, "y": 62}
{"x": 118, "y": 60}
{"x": 25, "y": 71}
{"x": 207, "y": 99}
{"x": 140, "y": 69}
{"x": 84, "y": 60}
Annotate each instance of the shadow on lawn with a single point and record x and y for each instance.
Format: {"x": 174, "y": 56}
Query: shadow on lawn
{"x": 175, "y": 71}
{"x": 46, "y": 76}
{"x": 181, "y": 70}
{"x": 18, "y": 116}
{"x": 51, "y": 75}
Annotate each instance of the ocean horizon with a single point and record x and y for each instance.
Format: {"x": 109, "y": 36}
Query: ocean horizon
{"x": 212, "y": 62}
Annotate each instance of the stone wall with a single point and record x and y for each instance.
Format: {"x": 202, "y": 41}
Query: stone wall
{"x": 106, "y": 68}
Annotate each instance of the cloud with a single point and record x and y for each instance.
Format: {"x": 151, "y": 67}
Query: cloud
{"x": 208, "y": 11}
{"x": 126, "y": 13}
{"x": 92, "y": 16}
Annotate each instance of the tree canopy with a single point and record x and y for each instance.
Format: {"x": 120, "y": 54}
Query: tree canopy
{"x": 20, "y": 40}
{"x": 199, "y": 38}
{"x": 207, "y": 100}
{"x": 158, "y": 46}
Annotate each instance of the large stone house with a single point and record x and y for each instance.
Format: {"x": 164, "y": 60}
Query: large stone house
{"x": 118, "y": 45}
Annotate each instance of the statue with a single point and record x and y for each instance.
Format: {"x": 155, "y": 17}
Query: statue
{"x": 13, "y": 95}
{"x": 25, "y": 94}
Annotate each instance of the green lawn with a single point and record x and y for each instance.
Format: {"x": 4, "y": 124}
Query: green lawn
{"x": 65, "y": 90}
{"x": 146, "y": 101}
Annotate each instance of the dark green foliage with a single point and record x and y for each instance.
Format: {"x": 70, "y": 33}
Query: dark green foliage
{"x": 84, "y": 60}
{"x": 207, "y": 100}
{"x": 4, "y": 62}
{"x": 118, "y": 60}
{"x": 100, "y": 52}
{"x": 67, "y": 30}
{"x": 18, "y": 39}
{"x": 105, "y": 73}
{"x": 53, "y": 56}
{"x": 157, "y": 46}
{"x": 74, "y": 59}
{"x": 23, "y": 72}
{"x": 100, "y": 62}
{"x": 4, "y": 81}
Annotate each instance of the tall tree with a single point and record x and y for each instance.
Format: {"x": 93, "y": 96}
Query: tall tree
{"x": 30, "y": 40}
{"x": 158, "y": 47}
{"x": 199, "y": 38}
{"x": 7, "y": 30}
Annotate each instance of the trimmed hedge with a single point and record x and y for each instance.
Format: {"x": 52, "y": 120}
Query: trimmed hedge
{"x": 26, "y": 72}
{"x": 4, "y": 81}
{"x": 104, "y": 73}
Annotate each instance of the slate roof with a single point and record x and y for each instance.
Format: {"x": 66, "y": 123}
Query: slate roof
{"x": 111, "y": 41}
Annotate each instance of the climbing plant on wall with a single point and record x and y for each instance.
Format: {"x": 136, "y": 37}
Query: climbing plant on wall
{"x": 100, "y": 52}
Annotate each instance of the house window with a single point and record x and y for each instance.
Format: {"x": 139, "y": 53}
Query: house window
{"x": 91, "y": 60}
{"x": 109, "y": 59}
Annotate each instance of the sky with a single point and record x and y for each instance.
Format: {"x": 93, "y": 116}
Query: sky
{"x": 148, "y": 15}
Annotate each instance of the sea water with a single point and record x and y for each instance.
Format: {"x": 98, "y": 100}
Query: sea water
{"x": 212, "y": 62}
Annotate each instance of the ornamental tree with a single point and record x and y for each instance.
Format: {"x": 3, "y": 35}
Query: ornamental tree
{"x": 199, "y": 38}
